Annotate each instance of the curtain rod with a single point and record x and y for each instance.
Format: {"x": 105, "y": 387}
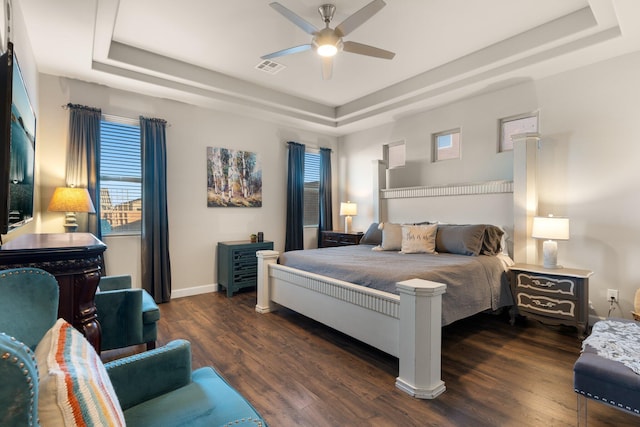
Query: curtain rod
{"x": 116, "y": 118}
{"x": 311, "y": 146}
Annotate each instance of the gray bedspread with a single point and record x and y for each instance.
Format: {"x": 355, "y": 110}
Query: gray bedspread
{"x": 474, "y": 283}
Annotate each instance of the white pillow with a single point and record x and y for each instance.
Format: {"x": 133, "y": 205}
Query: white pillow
{"x": 391, "y": 236}
{"x": 75, "y": 389}
{"x": 419, "y": 239}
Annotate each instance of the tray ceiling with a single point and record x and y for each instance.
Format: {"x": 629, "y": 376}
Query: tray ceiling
{"x": 205, "y": 52}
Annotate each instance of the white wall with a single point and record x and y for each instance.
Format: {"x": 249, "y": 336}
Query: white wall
{"x": 587, "y": 163}
{"x": 194, "y": 229}
{"x": 588, "y": 172}
{"x": 477, "y": 118}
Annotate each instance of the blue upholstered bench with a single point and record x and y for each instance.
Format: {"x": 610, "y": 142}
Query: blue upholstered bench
{"x": 603, "y": 379}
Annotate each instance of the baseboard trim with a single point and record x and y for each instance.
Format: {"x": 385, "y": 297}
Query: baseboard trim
{"x": 196, "y": 290}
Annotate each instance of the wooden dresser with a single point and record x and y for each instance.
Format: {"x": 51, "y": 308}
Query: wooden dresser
{"x": 238, "y": 265}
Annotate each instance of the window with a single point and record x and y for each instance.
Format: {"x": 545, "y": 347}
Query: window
{"x": 120, "y": 177}
{"x": 446, "y": 145}
{"x": 311, "y": 189}
{"x": 514, "y": 125}
{"x": 394, "y": 154}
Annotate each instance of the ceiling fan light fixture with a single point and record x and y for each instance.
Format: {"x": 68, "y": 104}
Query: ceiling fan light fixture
{"x": 327, "y": 50}
{"x": 327, "y": 43}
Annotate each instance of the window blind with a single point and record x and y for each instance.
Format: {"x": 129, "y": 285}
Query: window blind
{"x": 120, "y": 177}
{"x": 311, "y": 189}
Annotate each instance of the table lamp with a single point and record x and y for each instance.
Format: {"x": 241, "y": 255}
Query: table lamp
{"x": 71, "y": 200}
{"x": 347, "y": 210}
{"x": 550, "y": 228}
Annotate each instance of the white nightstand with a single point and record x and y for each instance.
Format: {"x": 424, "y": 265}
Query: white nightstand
{"x": 556, "y": 296}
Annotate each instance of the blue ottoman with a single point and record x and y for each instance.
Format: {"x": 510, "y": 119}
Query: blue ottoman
{"x": 603, "y": 379}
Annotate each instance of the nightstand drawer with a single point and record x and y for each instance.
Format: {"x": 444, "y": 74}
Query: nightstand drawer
{"x": 346, "y": 240}
{"x": 547, "y": 306}
{"x": 546, "y": 284}
{"x": 338, "y": 238}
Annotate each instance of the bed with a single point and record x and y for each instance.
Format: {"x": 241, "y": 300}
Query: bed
{"x": 473, "y": 283}
{"x": 391, "y": 293}
{"x": 407, "y": 323}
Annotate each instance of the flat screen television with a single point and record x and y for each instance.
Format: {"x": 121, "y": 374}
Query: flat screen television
{"x": 17, "y": 146}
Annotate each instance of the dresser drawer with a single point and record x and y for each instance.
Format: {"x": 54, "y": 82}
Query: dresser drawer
{"x": 537, "y": 284}
{"x": 244, "y": 258}
{"x": 547, "y": 306}
{"x": 245, "y": 277}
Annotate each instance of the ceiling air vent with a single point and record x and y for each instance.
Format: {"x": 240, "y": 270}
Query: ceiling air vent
{"x": 270, "y": 67}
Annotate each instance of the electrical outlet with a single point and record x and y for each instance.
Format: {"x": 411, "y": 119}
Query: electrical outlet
{"x": 612, "y": 294}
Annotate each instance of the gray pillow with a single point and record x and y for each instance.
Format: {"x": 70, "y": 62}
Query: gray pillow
{"x": 492, "y": 241}
{"x": 460, "y": 239}
{"x": 373, "y": 235}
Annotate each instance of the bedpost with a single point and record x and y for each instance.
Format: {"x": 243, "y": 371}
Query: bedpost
{"x": 264, "y": 304}
{"x": 420, "y": 338}
{"x": 379, "y": 182}
{"x": 525, "y": 196}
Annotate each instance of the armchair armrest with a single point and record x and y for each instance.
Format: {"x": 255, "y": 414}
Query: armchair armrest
{"x": 112, "y": 283}
{"x": 120, "y": 317}
{"x": 143, "y": 376}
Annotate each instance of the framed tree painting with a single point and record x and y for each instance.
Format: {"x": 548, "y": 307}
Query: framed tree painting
{"x": 234, "y": 178}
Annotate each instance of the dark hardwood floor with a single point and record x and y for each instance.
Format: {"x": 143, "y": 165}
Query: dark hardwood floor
{"x": 297, "y": 372}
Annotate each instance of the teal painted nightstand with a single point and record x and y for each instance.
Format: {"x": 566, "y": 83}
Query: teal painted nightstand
{"x": 238, "y": 265}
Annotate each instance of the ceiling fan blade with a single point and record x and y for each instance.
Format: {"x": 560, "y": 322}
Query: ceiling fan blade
{"x": 327, "y": 67}
{"x": 359, "y": 17}
{"x": 363, "y": 49}
{"x": 287, "y": 51}
{"x": 306, "y": 27}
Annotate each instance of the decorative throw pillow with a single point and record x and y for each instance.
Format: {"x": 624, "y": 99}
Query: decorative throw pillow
{"x": 391, "y": 236}
{"x": 373, "y": 236}
{"x": 419, "y": 239}
{"x": 492, "y": 240}
{"x": 460, "y": 239}
{"x": 75, "y": 389}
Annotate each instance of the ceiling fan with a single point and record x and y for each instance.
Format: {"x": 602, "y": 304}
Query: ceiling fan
{"x": 328, "y": 41}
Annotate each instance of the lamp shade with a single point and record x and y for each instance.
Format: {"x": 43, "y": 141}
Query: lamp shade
{"x": 71, "y": 199}
{"x": 550, "y": 227}
{"x": 348, "y": 208}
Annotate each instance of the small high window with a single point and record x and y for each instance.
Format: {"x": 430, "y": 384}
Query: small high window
{"x": 446, "y": 145}
{"x": 509, "y": 126}
{"x": 394, "y": 154}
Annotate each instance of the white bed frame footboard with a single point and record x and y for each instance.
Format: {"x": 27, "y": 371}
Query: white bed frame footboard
{"x": 407, "y": 326}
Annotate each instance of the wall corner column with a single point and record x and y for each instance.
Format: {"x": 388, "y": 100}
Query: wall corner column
{"x": 525, "y": 196}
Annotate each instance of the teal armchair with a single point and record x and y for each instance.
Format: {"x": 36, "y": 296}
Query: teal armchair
{"x": 127, "y": 316}
{"x": 153, "y": 388}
